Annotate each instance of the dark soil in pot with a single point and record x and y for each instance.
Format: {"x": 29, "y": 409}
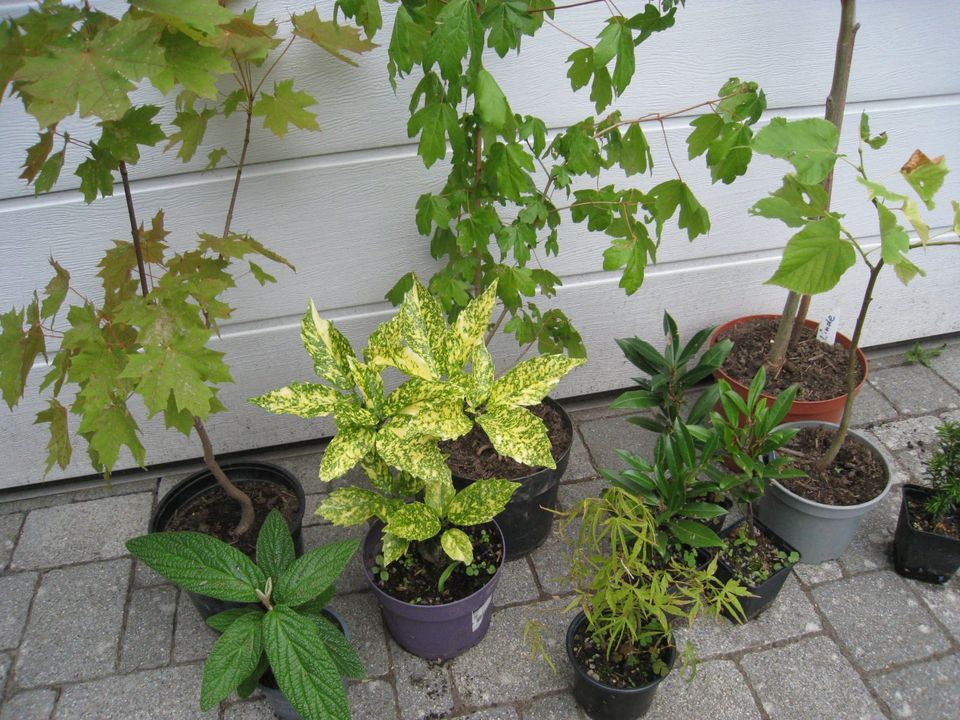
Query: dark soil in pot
{"x": 472, "y": 456}
{"x": 856, "y": 476}
{"x": 948, "y": 526}
{"x": 819, "y": 369}
{"x": 215, "y": 513}
{"x": 925, "y": 548}
{"x": 626, "y": 668}
{"x": 414, "y": 578}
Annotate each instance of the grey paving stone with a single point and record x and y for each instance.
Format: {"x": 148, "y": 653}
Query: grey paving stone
{"x": 352, "y": 579}
{"x": 594, "y": 408}
{"x": 74, "y": 628}
{"x": 372, "y": 699}
{"x": 603, "y": 437}
{"x": 29, "y": 705}
{"x": 871, "y": 407}
{"x": 192, "y": 637}
{"x": 718, "y": 690}
{"x": 9, "y": 528}
{"x": 361, "y": 612}
{"x": 92, "y": 530}
{"x": 16, "y": 592}
{"x": 513, "y": 675}
{"x": 811, "y": 575}
{"x": 310, "y": 516}
{"x": 167, "y": 482}
{"x": 5, "y": 662}
{"x": 551, "y": 561}
{"x": 944, "y": 602}
{"x": 572, "y": 493}
{"x": 809, "y": 679}
{"x": 915, "y": 389}
{"x": 899, "y": 435}
{"x": 552, "y": 707}
{"x": 870, "y": 547}
{"x": 423, "y": 688}
{"x": 171, "y": 693}
{"x": 249, "y": 710}
{"x": 925, "y": 691}
{"x": 789, "y": 616}
{"x": 579, "y": 466}
{"x": 500, "y": 713}
{"x": 516, "y": 584}
{"x": 304, "y": 464}
{"x": 947, "y": 364}
{"x": 144, "y": 576}
{"x": 148, "y": 637}
{"x": 879, "y": 620}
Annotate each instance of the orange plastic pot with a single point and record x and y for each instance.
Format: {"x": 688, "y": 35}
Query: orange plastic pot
{"x": 824, "y": 410}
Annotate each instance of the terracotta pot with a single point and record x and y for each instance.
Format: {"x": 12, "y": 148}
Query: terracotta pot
{"x": 823, "y": 410}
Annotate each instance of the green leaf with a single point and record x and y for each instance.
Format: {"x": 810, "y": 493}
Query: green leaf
{"x": 193, "y": 126}
{"x": 301, "y": 663}
{"x": 345, "y": 450}
{"x": 626, "y": 63}
{"x": 635, "y": 155}
{"x": 457, "y": 30}
{"x": 456, "y": 544}
{"x": 350, "y": 506}
{"x": 480, "y": 501}
{"x": 491, "y": 102}
{"x": 706, "y": 129}
{"x": 284, "y": 108}
{"x": 814, "y": 259}
{"x": 672, "y": 194}
{"x": 327, "y": 34}
{"x": 530, "y": 381}
{"x": 201, "y": 564}
{"x": 49, "y": 173}
{"x": 243, "y": 39}
{"x": 96, "y": 71}
{"x": 231, "y": 660}
{"x": 518, "y": 434}
{"x": 694, "y": 534}
{"x": 341, "y": 651}
{"x": 307, "y": 400}
{"x": 894, "y": 241}
{"x": 223, "y": 620}
{"x": 809, "y": 145}
{"x": 875, "y": 142}
{"x": 37, "y": 155}
{"x": 925, "y": 176}
{"x": 413, "y": 521}
{"x": 471, "y": 325}
{"x": 122, "y": 138}
{"x": 96, "y": 174}
{"x": 55, "y": 292}
{"x": 58, "y": 447}
{"x": 729, "y": 156}
{"x": 14, "y": 364}
{"x": 195, "y": 67}
{"x": 202, "y": 15}
{"x": 275, "y": 551}
{"x": 434, "y": 122}
{"x": 313, "y": 572}
{"x": 794, "y": 204}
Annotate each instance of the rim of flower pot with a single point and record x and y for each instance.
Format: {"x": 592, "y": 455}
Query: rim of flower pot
{"x": 378, "y": 525}
{"x": 837, "y": 509}
{"x": 580, "y": 619}
{"x": 809, "y": 405}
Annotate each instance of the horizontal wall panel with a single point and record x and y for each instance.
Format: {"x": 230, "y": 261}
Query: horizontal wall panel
{"x": 267, "y": 358}
{"x": 785, "y": 46}
{"x": 349, "y": 228}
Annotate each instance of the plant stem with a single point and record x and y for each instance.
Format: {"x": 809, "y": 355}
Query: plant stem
{"x": 134, "y": 231}
{"x": 852, "y": 365}
{"x": 781, "y": 341}
{"x": 247, "y": 514}
{"x": 243, "y": 160}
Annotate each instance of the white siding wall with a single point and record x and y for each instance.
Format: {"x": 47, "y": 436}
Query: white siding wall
{"x": 340, "y": 203}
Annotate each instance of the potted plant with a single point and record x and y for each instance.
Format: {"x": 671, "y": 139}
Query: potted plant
{"x": 621, "y": 643}
{"x": 750, "y": 439}
{"x": 422, "y": 546}
{"x": 787, "y": 345}
{"x": 284, "y": 637}
{"x": 847, "y": 476}
{"x": 927, "y": 542}
{"x": 149, "y": 335}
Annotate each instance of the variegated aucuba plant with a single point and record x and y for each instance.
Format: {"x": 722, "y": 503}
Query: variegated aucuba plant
{"x": 395, "y": 437}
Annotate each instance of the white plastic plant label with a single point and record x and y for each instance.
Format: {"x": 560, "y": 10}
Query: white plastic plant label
{"x": 827, "y": 332}
{"x": 480, "y": 613}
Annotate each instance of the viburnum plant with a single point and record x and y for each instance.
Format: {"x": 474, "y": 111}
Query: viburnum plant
{"x": 491, "y": 219}
{"x": 148, "y": 334}
{"x": 395, "y": 436}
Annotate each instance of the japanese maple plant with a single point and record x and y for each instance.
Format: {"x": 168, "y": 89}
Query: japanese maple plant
{"x": 147, "y": 334}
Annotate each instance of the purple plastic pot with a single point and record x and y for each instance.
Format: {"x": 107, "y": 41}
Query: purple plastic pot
{"x": 434, "y": 632}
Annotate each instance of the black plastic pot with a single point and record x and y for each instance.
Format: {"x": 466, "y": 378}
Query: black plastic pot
{"x": 918, "y": 554}
{"x": 525, "y": 523}
{"x": 434, "y": 632}
{"x": 602, "y": 702}
{"x": 268, "y": 686}
{"x": 202, "y": 482}
{"x": 765, "y": 592}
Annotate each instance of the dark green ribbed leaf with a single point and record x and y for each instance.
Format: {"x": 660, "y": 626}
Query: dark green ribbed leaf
{"x": 341, "y": 651}
{"x": 275, "y": 552}
{"x": 200, "y": 564}
{"x": 313, "y": 573}
{"x": 222, "y": 621}
{"x": 232, "y": 660}
{"x": 304, "y": 670}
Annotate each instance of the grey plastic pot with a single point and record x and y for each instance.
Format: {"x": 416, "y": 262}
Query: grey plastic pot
{"x": 275, "y": 698}
{"x": 819, "y": 532}
{"x": 433, "y": 632}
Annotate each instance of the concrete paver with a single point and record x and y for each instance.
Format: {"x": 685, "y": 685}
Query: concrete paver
{"x": 845, "y": 639}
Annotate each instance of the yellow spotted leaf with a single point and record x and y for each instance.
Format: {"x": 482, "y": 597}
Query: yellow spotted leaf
{"x": 394, "y": 548}
{"x": 328, "y": 347}
{"x": 480, "y": 501}
{"x": 471, "y": 325}
{"x": 307, "y": 400}
{"x": 350, "y": 506}
{"x": 416, "y": 455}
{"x": 346, "y": 449}
{"x": 530, "y": 381}
{"x": 456, "y": 544}
{"x": 519, "y": 434}
{"x": 413, "y": 521}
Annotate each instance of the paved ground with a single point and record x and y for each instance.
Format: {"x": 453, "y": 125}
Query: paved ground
{"x": 86, "y": 634}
